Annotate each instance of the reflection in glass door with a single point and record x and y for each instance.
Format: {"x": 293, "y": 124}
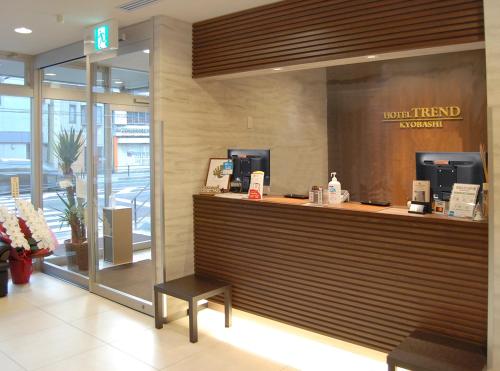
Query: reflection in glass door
{"x": 123, "y": 263}
{"x": 63, "y": 153}
{"x": 15, "y": 147}
{"x": 64, "y": 168}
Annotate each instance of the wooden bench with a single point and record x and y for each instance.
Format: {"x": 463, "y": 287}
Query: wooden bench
{"x": 424, "y": 351}
{"x": 192, "y": 289}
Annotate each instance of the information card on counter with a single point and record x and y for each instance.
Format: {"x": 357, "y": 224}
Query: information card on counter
{"x": 463, "y": 200}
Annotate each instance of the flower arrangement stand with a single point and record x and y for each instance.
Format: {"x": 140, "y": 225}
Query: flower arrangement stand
{"x": 25, "y": 237}
{"x": 22, "y": 268}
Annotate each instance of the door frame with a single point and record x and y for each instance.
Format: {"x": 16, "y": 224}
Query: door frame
{"x": 127, "y": 102}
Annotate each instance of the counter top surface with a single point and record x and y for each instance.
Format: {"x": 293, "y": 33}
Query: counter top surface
{"x": 348, "y": 206}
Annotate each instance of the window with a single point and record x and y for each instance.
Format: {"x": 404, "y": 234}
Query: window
{"x": 15, "y": 141}
{"x": 121, "y": 79}
{"x": 83, "y": 114}
{"x": 137, "y": 118}
{"x": 12, "y": 72}
{"x": 99, "y": 114}
{"x": 55, "y": 121}
{"x": 67, "y": 75}
{"x": 60, "y": 166}
{"x": 72, "y": 114}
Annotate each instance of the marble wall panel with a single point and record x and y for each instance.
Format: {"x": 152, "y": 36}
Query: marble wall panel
{"x": 202, "y": 119}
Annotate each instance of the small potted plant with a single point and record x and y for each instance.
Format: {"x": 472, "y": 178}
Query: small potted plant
{"x": 76, "y": 247}
{"x": 67, "y": 150}
{"x": 28, "y": 236}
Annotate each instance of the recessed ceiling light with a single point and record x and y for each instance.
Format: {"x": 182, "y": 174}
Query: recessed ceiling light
{"x": 146, "y": 51}
{"x": 50, "y": 74}
{"x": 23, "y": 30}
{"x": 118, "y": 82}
{"x": 371, "y": 56}
{"x": 277, "y": 69}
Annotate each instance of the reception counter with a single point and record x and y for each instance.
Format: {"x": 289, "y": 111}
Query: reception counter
{"x": 365, "y": 274}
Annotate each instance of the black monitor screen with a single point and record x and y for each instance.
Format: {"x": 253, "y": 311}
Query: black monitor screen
{"x": 247, "y": 161}
{"x": 443, "y": 169}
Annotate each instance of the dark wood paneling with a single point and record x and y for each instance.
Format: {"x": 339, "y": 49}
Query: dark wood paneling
{"x": 364, "y": 277}
{"x": 296, "y": 31}
{"x": 375, "y": 159}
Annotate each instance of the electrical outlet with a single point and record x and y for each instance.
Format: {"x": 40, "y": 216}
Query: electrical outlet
{"x": 249, "y": 122}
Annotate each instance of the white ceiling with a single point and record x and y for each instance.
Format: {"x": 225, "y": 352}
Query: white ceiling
{"x": 40, "y": 16}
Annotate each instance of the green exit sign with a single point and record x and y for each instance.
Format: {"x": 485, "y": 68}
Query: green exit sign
{"x": 101, "y": 37}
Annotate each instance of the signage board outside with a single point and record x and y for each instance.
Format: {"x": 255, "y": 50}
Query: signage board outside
{"x": 14, "y": 186}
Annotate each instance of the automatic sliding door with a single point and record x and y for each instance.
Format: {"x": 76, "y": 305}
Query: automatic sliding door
{"x": 123, "y": 265}
{"x": 64, "y": 169}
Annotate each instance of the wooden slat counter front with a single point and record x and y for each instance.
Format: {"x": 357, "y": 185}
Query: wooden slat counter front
{"x": 368, "y": 275}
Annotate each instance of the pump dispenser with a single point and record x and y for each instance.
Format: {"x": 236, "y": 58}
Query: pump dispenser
{"x": 334, "y": 190}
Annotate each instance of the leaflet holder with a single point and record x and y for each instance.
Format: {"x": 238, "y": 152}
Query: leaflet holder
{"x": 419, "y": 207}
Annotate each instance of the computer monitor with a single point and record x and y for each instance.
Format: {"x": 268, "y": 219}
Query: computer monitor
{"x": 443, "y": 169}
{"x": 246, "y": 161}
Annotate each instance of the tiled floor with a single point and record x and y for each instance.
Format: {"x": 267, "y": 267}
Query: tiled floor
{"x": 50, "y": 325}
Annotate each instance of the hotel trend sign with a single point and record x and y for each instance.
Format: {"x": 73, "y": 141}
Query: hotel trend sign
{"x": 424, "y": 117}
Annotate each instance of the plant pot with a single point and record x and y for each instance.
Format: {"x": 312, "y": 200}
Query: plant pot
{"x": 20, "y": 270}
{"x": 78, "y": 255}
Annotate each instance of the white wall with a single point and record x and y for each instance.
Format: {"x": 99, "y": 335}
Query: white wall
{"x": 202, "y": 119}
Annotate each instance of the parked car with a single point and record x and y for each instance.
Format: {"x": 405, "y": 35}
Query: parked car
{"x": 22, "y": 169}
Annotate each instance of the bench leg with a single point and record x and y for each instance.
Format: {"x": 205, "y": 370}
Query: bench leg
{"x": 228, "y": 308}
{"x": 158, "y": 310}
{"x": 193, "y": 321}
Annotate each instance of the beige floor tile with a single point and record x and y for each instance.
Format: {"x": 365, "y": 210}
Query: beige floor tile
{"x": 14, "y": 304}
{"x": 48, "y": 292}
{"x": 62, "y": 327}
{"x": 23, "y": 322}
{"x": 319, "y": 357}
{"x": 6, "y": 364}
{"x": 79, "y": 307}
{"x": 290, "y": 346}
{"x": 225, "y": 358}
{"x": 161, "y": 348}
{"x": 104, "y": 358}
{"x": 48, "y": 346}
{"x": 115, "y": 325}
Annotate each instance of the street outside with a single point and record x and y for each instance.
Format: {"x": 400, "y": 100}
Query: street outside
{"x": 127, "y": 187}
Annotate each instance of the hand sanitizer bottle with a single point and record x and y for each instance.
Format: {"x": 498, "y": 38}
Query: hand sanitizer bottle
{"x": 334, "y": 190}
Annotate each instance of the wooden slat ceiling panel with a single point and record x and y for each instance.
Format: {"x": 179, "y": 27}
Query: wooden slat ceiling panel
{"x": 292, "y": 32}
{"x": 368, "y": 278}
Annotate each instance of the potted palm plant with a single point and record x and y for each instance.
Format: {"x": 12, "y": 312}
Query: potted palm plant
{"x": 67, "y": 150}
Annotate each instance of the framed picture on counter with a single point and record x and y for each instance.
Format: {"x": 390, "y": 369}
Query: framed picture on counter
{"x": 217, "y": 176}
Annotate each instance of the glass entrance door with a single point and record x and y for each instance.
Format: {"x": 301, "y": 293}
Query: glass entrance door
{"x": 63, "y": 167}
{"x": 123, "y": 267}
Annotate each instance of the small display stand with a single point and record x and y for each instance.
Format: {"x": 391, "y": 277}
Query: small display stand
{"x": 117, "y": 228}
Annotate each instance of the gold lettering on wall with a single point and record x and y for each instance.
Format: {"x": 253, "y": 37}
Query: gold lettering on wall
{"x": 424, "y": 117}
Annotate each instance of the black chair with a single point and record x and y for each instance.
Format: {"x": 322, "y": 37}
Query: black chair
{"x": 4, "y": 269}
{"x": 191, "y": 289}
